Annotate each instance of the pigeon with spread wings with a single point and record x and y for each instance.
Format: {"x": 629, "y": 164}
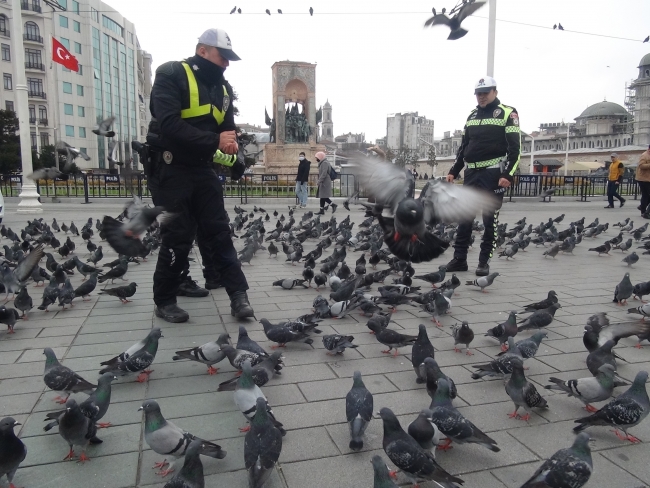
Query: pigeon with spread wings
{"x": 406, "y": 233}
{"x": 454, "y": 23}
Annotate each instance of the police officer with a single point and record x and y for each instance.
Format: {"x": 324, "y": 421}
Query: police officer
{"x": 490, "y": 150}
{"x": 193, "y": 128}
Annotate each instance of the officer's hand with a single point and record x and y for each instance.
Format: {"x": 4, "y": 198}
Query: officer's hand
{"x": 232, "y": 148}
{"x": 226, "y": 140}
{"x": 450, "y": 178}
{"x": 504, "y": 183}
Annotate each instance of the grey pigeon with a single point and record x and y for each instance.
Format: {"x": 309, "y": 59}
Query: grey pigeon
{"x": 570, "y": 467}
{"x": 261, "y": 372}
{"x": 166, "y": 439}
{"x": 246, "y": 343}
{"x": 528, "y": 347}
{"x": 83, "y": 268}
{"x": 405, "y": 452}
{"x": 504, "y": 330}
{"x": 630, "y": 259}
{"x": 522, "y": 392}
{"x": 432, "y": 373}
{"x": 358, "y": 411}
{"x": 191, "y": 474}
{"x": 136, "y": 359}
{"x": 66, "y": 295}
{"x": 9, "y": 316}
{"x": 539, "y": 318}
{"x": 435, "y": 277}
{"x": 14, "y": 279}
{"x": 463, "y": 334}
{"x": 117, "y": 272}
{"x": 124, "y": 237}
{"x": 262, "y": 447}
{"x": 12, "y": 449}
{"x": 641, "y": 289}
{"x": 123, "y": 293}
{"x": 588, "y": 390}
{"x": 77, "y": 430}
{"x": 422, "y": 349}
{"x": 289, "y": 284}
{"x": 542, "y": 304}
{"x": 425, "y": 431}
{"x": 596, "y": 334}
{"x": 483, "y": 282}
{"x": 623, "y": 290}
{"x": 104, "y": 127}
{"x": 391, "y": 338}
{"x": 509, "y": 252}
{"x": 643, "y": 310}
{"x": 382, "y": 474}
{"x": 453, "y": 424}
{"x": 209, "y": 353}
{"x": 23, "y": 302}
{"x": 623, "y": 412}
{"x": 553, "y": 251}
{"x": 87, "y": 287}
{"x": 61, "y": 378}
{"x": 602, "y": 355}
{"x": 604, "y": 249}
{"x": 500, "y": 366}
{"x": 454, "y": 23}
{"x": 337, "y": 343}
{"x": 282, "y": 334}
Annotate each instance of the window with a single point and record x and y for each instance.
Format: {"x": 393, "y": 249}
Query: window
{"x": 6, "y": 52}
{"x": 80, "y": 90}
{"x": 42, "y": 114}
{"x": 82, "y": 132}
{"x": 69, "y": 130}
{"x": 81, "y": 111}
{"x": 75, "y": 7}
{"x": 32, "y": 114}
{"x": 67, "y": 87}
{"x": 64, "y": 4}
{"x": 32, "y": 139}
{"x": 93, "y": 14}
{"x": 63, "y": 21}
{"x": 76, "y": 26}
{"x": 3, "y": 25}
{"x": 77, "y": 48}
{"x": 81, "y": 70}
{"x": 68, "y": 109}
{"x": 33, "y": 58}
{"x": 112, "y": 25}
{"x": 65, "y": 42}
{"x": 32, "y": 32}
{"x": 45, "y": 139}
{"x": 6, "y": 79}
{"x": 9, "y": 105}
{"x": 35, "y": 86}
{"x": 83, "y": 150}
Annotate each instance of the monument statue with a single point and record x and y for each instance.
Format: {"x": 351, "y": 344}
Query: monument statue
{"x": 297, "y": 129}
{"x": 271, "y": 123}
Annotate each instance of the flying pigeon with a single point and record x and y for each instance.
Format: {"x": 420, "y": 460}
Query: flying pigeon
{"x": 454, "y": 23}
{"x": 104, "y": 127}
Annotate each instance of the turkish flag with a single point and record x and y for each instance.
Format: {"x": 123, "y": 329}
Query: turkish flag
{"x": 62, "y": 56}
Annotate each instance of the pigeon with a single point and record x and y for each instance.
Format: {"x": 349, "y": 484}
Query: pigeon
{"x": 542, "y": 304}
{"x": 504, "y": 330}
{"x": 432, "y": 373}
{"x": 121, "y": 292}
{"x": 623, "y": 290}
{"x": 570, "y": 467}
{"x": 50, "y": 294}
{"x": 247, "y": 344}
{"x": 358, "y": 410}
{"x": 337, "y": 343}
{"x": 435, "y": 277}
{"x": 596, "y": 335}
{"x": 643, "y": 310}
{"x": 39, "y": 275}
{"x": 261, "y": 373}
{"x": 422, "y": 349}
{"x": 604, "y": 249}
{"x": 454, "y": 23}
{"x": 522, "y": 392}
{"x": 320, "y": 280}
{"x": 588, "y": 390}
{"x": 425, "y": 431}
{"x": 500, "y": 366}
{"x": 9, "y": 316}
{"x": 483, "y": 282}
{"x": 191, "y": 474}
{"x": 117, "y": 272}
{"x": 137, "y": 358}
{"x": 46, "y": 174}
{"x": 453, "y": 424}
{"x": 66, "y": 295}
{"x": 246, "y": 395}
{"x": 262, "y": 446}
{"x": 87, "y": 287}
{"x": 208, "y": 354}
{"x": 463, "y": 335}
{"x": 623, "y": 412}
{"x": 382, "y": 474}
{"x": 602, "y": 355}
{"x": 630, "y": 259}
{"x": 77, "y": 430}
{"x": 528, "y": 347}
{"x": 405, "y": 452}
{"x": 84, "y": 268}
{"x": 12, "y": 449}
{"x": 95, "y": 256}
{"x": 641, "y": 289}
{"x": 282, "y": 335}
{"x": 289, "y": 284}
{"x": 104, "y": 127}
{"x": 61, "y": 378}
{"x": 166, "y": 439}
{"x": 14, "y": 279}
{"x": 391, "y": 338}
{"x": 539, "y": 318}
{"x": 553, "y": 251}
{"x": 509, "y": 252}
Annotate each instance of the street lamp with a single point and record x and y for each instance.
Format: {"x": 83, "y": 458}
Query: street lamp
{"x": 566, "y": 153}
{"x": 435, "y": 152}
{"x": 492, "y": 25}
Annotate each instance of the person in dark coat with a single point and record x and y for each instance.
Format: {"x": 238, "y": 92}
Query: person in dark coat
{"x": 302, "y": 191}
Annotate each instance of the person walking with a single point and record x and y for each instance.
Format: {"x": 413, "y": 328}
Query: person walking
{"x": 302, "y": 191}
{"x": 614, "y": 180}
{"x": 490, "y": 152}
{"x": 192, "y": 128}
{"x": 324, "y": 183}
{"x": 643, "y": 179}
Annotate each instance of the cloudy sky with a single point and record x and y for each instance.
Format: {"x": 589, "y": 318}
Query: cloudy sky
{"x": 375, "y": 57}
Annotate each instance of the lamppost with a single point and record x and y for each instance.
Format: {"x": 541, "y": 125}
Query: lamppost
{"x": 532, "y": 154}
{"x": 566, "y": 149}
{"x": 435, "y": 152}
{"x": 492, "y": 26}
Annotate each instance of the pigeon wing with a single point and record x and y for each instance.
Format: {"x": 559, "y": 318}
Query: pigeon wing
{"x": 385, "y": 182}
{"x": 447, "y": 202}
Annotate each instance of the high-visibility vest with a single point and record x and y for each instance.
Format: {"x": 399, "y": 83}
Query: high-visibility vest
{"x": 196, "y": 109}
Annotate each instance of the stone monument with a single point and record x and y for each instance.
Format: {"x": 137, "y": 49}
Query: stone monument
{"x": 294, "y": 121}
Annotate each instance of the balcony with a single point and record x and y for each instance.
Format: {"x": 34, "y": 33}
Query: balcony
{"x": 33, "y": 6}
{"x": 32, "y": 120}
{"x": 33, "y": 38}
{"x": 5, "y": 33}
{"x": 34, "y": 65}
{"x": 42, "y": 122}
{"x": 37, "y": 94}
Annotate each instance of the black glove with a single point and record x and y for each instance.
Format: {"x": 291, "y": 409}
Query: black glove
{"x": 239, "y": 166}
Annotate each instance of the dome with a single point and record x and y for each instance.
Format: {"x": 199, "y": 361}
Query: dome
{"x": 603, "y": 109}
{"x": 327, "y": 104}
{"x": 645, "y": 60}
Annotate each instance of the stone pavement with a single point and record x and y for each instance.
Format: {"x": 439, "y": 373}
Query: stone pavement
{"x": 309, "y": 396}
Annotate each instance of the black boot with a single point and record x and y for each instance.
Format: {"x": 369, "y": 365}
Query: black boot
{"x": 457, "y": 265}
{"x": 240, "y": 307}
{"x": 322, "y": 211}
{"x": 213, "y": 283}
{"x": 483, "y": 269}
{"x": 171, "y": 313}
{"x": 190, "y": 288}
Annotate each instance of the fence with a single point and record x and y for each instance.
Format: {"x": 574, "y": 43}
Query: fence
{"x": 572, "y": 186}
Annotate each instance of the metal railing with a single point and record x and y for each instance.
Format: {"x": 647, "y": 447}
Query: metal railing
{"x": 5, "y": 33}
{"x": 572, "y": 186}
{"x": 42, "y": 122}
{"x": 284, "y": 186}
{"x": 33, "y": 38}
{"x": 33, "y": 65}
{"x": 37, "y": 94}
{"x": 34, "y": 7}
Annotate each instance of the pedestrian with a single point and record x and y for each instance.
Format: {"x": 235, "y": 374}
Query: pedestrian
{"x": 192, "y": 128}
{"x": 643, "y": 179}
{"x": 614, "y": 180}
{"x": 490, "y": 152}
{"x": 324, "y": 183}
{"x": 302, "y": 191}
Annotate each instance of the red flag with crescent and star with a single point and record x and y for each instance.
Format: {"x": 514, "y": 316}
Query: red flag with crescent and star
{"x": 62, "y": 56}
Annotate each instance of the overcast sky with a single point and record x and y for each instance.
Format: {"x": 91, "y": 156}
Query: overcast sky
{"x": 375, "y": 57}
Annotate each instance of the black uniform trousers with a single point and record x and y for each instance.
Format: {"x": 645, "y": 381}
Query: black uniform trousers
{"x": 485, "y": 179}
{"x": 645, "y": 196}
{"x": 195, "y": 195}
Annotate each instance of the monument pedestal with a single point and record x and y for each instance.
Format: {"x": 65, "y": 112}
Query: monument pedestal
{"x": 283, "y": 158}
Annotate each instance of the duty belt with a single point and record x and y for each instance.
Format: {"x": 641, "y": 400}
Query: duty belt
{"x": 484, "y": 164}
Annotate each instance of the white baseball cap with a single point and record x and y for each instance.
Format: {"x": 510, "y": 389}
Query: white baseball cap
{"x": 219, "y": 38}
{"x": 485, "y": 84}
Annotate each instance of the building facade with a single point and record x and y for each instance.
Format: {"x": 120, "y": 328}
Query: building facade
{"x": 327, "y": 124}
{"x": 641, "y": 103}
{"x": 409, "y": 130}
{"x": 114, "y": 77}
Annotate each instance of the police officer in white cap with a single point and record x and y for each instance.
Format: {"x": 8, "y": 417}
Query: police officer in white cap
{"x": 193, "y": 128}
{"x": 489, "y": 152}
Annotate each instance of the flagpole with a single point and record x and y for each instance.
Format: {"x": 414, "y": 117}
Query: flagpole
{"x": 29, "y": 197}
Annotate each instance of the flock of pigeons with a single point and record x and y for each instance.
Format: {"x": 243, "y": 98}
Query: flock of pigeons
{"x": 386, "y": 239}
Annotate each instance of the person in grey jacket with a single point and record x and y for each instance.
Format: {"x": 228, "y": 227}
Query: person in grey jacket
{"x": 324, "y": 183}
